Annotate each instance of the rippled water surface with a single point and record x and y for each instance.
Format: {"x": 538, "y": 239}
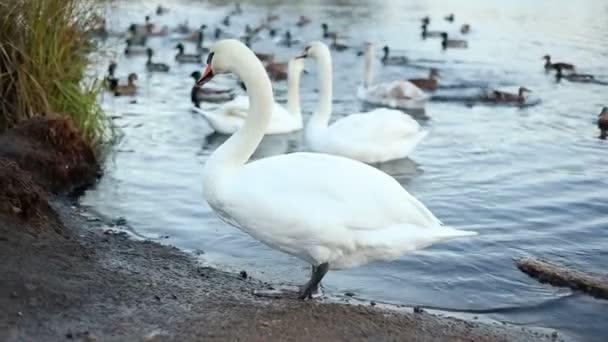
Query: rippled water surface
{"x": 531, "y": 181}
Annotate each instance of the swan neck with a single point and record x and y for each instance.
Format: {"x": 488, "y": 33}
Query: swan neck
{"x": 293, "y": 93}
{"x": 237, "y": 150}
{"x": 323, "y": 112}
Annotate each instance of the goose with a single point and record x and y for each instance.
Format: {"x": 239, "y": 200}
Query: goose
{"x": 361, "y": 213}
{"x": 129, "y": 89}
{"x": 452, "y": 43}
{"x": 505, "y": 97}
{"x": 430, "y": 34}
{"x": 303, "y": 21}
{"x": 371, "y": 137}
{"x": 185, "y": 57}
{"x": 602, "y": 123}
{"x": 208, "y": 94}
{"x": 563, "y": 66}
{"x": 449, "y": 17}
{"x": 131, "y": 50}
{"x": 392, "y": 60}
{"x": 465, "y": 28}
{"x": 395, "y": 94}
{"x": 430, "y": 83}
{"x": 151, "y": 66}
{"x": 231, "y": 115}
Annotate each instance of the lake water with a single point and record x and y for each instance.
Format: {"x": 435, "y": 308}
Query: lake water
{"x": 532, "y": 181}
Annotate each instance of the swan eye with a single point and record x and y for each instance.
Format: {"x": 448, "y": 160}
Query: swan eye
{"x": 210, "y": 58}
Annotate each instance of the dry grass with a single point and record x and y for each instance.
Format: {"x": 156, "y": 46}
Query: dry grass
{"x": 44, "y": 49}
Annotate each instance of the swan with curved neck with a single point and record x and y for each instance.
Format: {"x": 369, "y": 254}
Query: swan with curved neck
{"x": 229, "y": 117}
{"x": 400, "y": 94}
{"x": 376, "y": 136}
{"x": 329, "y": 211}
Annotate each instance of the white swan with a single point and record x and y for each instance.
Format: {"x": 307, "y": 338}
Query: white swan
{"x": 395, "y": 94}
{"x": 329, "y": 211}
{"x": 372, "y": 137}
{"x": 229, "y": 117}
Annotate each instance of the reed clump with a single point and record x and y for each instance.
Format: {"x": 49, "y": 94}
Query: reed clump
{"x": 44, "y": 57}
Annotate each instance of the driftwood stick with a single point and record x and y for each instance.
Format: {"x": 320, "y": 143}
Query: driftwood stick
{"x": 558, "y": 275}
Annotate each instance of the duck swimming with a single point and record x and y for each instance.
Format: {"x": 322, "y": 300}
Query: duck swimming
{"x": 208, "y": 94}
{"x": 328, "y": 34}
{"x": 430, "y": 34}
{"x": 505, "y": 97}
{"x": 387, "y": 59}
{"x": 111, "y": 81}
{"x": 151, "y": 66}
{"x": 452, "y": 43}
{"x": 602, "y": 123}
{"x": 563, "y": 66}
{"x": 449, "y": 17}
{"x": 131, "y": 50}
{"x": 186, "y": 58}
{"x": 361, "y": 221}
{"x": 129, "y": 89}
{"x": 430, "y": 83}
{"x": 465, "y": 28}
{"x": 303, "y": 21}
{"x": 573, "y": 77}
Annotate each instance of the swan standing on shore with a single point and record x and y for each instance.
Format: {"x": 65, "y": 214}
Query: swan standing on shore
{"x": 371, "y": 137}
{"x": 396, "y": 94}
{"x": 228, "y": 118}
{"x": 329, "y": 211}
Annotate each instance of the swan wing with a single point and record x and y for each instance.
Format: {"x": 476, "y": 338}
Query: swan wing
{"x": 326, "y": 208}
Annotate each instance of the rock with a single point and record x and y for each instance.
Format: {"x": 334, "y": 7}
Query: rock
{"x": 243, "y": 275}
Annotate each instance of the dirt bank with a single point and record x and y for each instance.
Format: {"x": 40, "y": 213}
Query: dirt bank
{"x": 67, "y": 276}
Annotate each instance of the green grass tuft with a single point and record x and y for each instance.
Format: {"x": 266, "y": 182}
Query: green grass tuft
{"x": 44, "y": 55}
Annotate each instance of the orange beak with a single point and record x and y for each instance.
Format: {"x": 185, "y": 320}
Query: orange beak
{"x": 207, "y": 76}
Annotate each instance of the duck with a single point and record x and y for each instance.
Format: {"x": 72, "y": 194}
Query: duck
{"x": 151, "y": 66}
{"x": 277, "y": 71}
{"x": 376, "y": 136}
{"x": 452, "y": 43}
{"x": 186, "y": 58}
{"x": 208, "y": 94}
{"x": 431, "y": 83}
{"x": 230, "y": 116}
{"x": 288, "y": 40}
{"x": 504, "y": 97}
{"x": 226, "y": 21}
{"x": 561, "y": 65}
{"x": 218, "y": 33}
{"x": 183, "y": 28}
{"x": 326, "y": 33}
{"x": 272, "y": 17}
{"x": 465, "y": 28}
{"x": 430, "y": 34}
{"x": 337, "y": 45}
{"x": 141, "y": 29}
{"x": 128, "y": 89}
{"x": 393, "y": 60}
{"x": 449, "y": 17}
{"x": 111, "y": 81}
{"x": 356, "y": 222}
{"x": 160, "y": 10}
{"x": 574, "y": 77}
{"x": 303, "y": 21}
{"x": 602, "y": 123}
{"x": 400, "y": 94}
{"x": 425, "y": 20}
{"x": 136, "y": 38}
{"x": 131, "y": 50}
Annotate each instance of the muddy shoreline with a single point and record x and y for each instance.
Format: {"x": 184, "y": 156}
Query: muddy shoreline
{"x": 67, "y": 275}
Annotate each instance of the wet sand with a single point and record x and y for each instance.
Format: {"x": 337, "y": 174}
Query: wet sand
{"x": 66, "y": 275}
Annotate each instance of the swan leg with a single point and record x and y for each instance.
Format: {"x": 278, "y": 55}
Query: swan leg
{"x": 312, "y": 286}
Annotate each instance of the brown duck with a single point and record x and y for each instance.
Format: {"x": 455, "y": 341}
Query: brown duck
{"x": 129, "y": 89}
{"x": 602, "y": 123}
{"x": 563, "y": 66}
{"x": 430, "y": 83}
{"x": 505, "y": 97}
